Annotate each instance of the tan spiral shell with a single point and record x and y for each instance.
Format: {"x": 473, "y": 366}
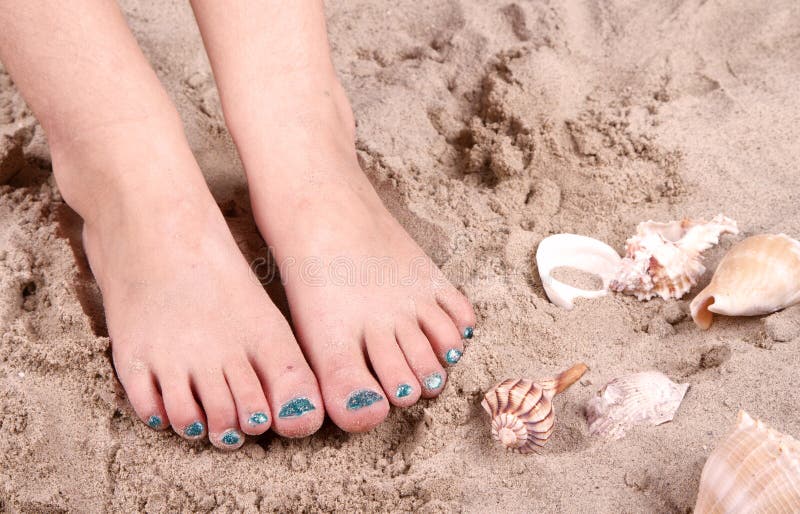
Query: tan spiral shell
{"x": 759, "y": 275}
{"x": 522, "y": 410}
{"x": 755, "y": 469}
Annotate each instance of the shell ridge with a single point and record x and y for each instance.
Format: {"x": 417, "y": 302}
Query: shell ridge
{"x": 522, "y": 415}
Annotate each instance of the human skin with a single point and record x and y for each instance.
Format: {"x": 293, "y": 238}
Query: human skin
{"x": 197, "y": 344}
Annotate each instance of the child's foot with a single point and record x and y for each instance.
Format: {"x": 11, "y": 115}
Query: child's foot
{"x": 197, "y": 344}
{"x": 364, "y": 297}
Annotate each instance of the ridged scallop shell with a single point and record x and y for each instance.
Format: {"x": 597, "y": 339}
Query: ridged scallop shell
{"x": 645, "y": 398}
{"x": 664, "y": 259}
{"x": 522, "y": 410}
{"x": 760, "y": 275}
{"x": 579, "y": 252}
{"x": 755, "y": 469}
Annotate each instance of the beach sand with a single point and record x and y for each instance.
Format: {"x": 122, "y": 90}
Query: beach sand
{"x": 485, "y": 125}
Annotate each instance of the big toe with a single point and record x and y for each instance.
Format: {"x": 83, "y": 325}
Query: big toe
{"x": 353, "y": 398}
{"x": 292, "y": 389}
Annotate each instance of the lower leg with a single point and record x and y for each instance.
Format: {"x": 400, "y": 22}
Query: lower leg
{"x": 294, "y": 129}
{"x": 156, "y": 242}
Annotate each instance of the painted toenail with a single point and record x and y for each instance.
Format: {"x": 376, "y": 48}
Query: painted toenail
{"x": 453, "y": 356}
{"x": 433, "y": 381}
{"x": 258, "y": 418}
{"x": 196, "y": 429}
{"x": 296, "y": 407}
{"x": 403, "y": 390}
{"x": 231, "y": 437}
{"x": 468, "y": 333}
{"x": 362, "y": 398}
{"x": 154, "y": 422}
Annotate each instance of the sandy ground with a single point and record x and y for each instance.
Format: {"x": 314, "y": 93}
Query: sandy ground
{"x": 486, "y": 125}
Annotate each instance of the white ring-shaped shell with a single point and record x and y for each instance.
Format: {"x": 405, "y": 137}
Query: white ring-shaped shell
{"x": 579, "y": 252}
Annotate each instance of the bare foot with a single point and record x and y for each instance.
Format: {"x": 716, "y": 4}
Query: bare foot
{"x": 364, "y": 297}
{"x": 197, "y": 343}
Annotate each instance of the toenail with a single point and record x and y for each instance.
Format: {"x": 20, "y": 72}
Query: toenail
{"x": 433, "y": 381}
{"x": 196, "y": 429}
{"x": 362, "y": 398}
{"x": 453, "y": 355}
{"x": 258, "y": 418}
{"x": 231, "y": 437}
{"x": 403, "y": 390}
{"x": 296, "y": 407}
{"x": 154, "y": 422}
{"x": 468, "y": 333}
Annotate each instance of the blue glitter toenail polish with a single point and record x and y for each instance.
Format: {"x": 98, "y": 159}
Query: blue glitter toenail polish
{"x": 230, "y": 437}
{"x": 362, "y": 398}
{"x": 453, "y": 356}
{"x": 154, "y": 422}
{"x": 403, "y": 390}
{"x": 296, "y": 407}
{"x": 258, "y": 418}
{"x": 196, "y": 429}
{"x": 468, "y": 333}
{"x": 433, "y": 381}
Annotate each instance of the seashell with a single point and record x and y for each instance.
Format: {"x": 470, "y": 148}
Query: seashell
{"x": 522, "y": 410}
{"x": 645, "y": 398}
{"x": 759, "y": 275}
{"x": 579, "y": 252}
{"x": 664, "y": 259}
{"x": 755, "y": 469}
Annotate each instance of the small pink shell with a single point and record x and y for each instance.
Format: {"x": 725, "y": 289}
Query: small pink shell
{"x": 664, "y": 259}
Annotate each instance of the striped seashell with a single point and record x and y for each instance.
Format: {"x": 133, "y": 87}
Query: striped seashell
{"x": 760, "y": 275}
{"x": 645, "y": 398}
{"x": 522, "y": 410}
{"x": 755, "y": 469}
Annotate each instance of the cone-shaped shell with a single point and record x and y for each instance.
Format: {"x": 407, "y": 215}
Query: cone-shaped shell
{"x": 760, "y": 275}
{"x": 522, "y": 410}
{"x": 755, "y": 469}
{"x": 645, "y": 398}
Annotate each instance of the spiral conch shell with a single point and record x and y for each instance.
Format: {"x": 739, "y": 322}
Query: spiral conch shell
{"x": 645, "y": 398}
{"x": 664, "y": 259}
{"x": 755, "y": 469}
{"x": 522, "y": 410}
{"x": 760, "y": 275}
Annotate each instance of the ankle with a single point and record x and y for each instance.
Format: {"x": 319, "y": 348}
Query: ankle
{"x": 316, "y": 110}
{"x": 125, "y": 169}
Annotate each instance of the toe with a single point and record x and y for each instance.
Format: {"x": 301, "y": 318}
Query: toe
{"x": 248, "y": 396}
{"x": 143, "y": 394}
{"x": 353, "y": 398}
{"x": 215, "y": 395}
{"x": 389, "y": 364}
{"x": 292, "y": 389}
{"x": 444, "y": 337}
{"x": 185, "y": 414}
{"x": 421, "y": 358}
{"x": 459, "y": 309}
